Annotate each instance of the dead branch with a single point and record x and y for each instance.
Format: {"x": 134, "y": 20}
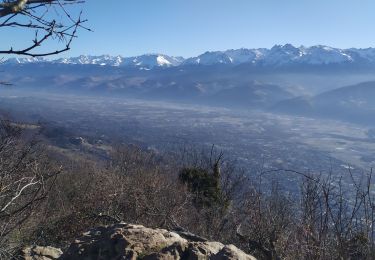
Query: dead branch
{"x": 35, "y": 16}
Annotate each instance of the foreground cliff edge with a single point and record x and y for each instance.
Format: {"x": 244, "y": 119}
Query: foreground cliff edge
{"x": 127, "y": 241}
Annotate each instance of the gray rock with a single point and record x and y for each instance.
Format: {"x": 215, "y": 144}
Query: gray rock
{"x": 41, "y": 253}
{"x": 126, "y": 241}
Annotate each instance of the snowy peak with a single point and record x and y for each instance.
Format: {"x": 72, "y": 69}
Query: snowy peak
{"x": 287, "y": 54}
{"x": 22, "y": 60}
{"x": 282, "y": 54}
{"x": 228, "y": 57}
{"x": 246, "y": 55}
{"x": 150, "y": 61}
{"x": 325, "y": 55}
{"x": 209, "y": 58}
{"x": 103, "y": 60}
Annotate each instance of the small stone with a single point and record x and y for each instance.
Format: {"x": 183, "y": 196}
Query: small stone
{"x": 41, "y": 253}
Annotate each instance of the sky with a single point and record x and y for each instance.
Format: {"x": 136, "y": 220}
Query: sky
{"x": 190, "y": 27}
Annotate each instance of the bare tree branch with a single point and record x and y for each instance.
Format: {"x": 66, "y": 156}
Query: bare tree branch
{"x": 34, "y": 15}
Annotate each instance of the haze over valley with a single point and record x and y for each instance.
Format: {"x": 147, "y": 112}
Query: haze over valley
{"x": 306, "y": 109}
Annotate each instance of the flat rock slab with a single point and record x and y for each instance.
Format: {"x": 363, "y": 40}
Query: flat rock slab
{"x": 127, "y": 241}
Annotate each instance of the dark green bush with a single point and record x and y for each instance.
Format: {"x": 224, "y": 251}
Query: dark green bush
{"x": 204, "y": 185}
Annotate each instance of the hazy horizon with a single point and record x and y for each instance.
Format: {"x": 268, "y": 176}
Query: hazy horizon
{"x": 66, "y": 54}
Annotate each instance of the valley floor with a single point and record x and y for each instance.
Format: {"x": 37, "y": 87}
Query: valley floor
{"x": 258, "y": 141}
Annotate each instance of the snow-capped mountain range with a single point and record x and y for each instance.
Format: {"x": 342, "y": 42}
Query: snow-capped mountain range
{"x": 278, "y": 55}
{"x": 147, "y": 61}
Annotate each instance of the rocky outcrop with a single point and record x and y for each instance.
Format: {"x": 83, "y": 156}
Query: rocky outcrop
{"x": 40, "y": 253}
{"x": 126, "y": 241}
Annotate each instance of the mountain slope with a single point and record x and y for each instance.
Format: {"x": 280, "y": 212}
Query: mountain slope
{"x": 251, "y": 95}
{"x": 353, "y": 103}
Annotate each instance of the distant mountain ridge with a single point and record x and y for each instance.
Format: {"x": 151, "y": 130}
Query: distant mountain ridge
{"x": 147, "y": 61}
{"x": 279, "y": 55}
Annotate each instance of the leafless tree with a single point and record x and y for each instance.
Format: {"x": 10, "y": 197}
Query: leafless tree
{"x": 26, "y": 177}
{"x": 333, "y": 218}
{"x": 47, "y": 20}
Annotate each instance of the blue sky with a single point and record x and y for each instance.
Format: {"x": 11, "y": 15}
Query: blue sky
{"x": 190, "y": 27}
